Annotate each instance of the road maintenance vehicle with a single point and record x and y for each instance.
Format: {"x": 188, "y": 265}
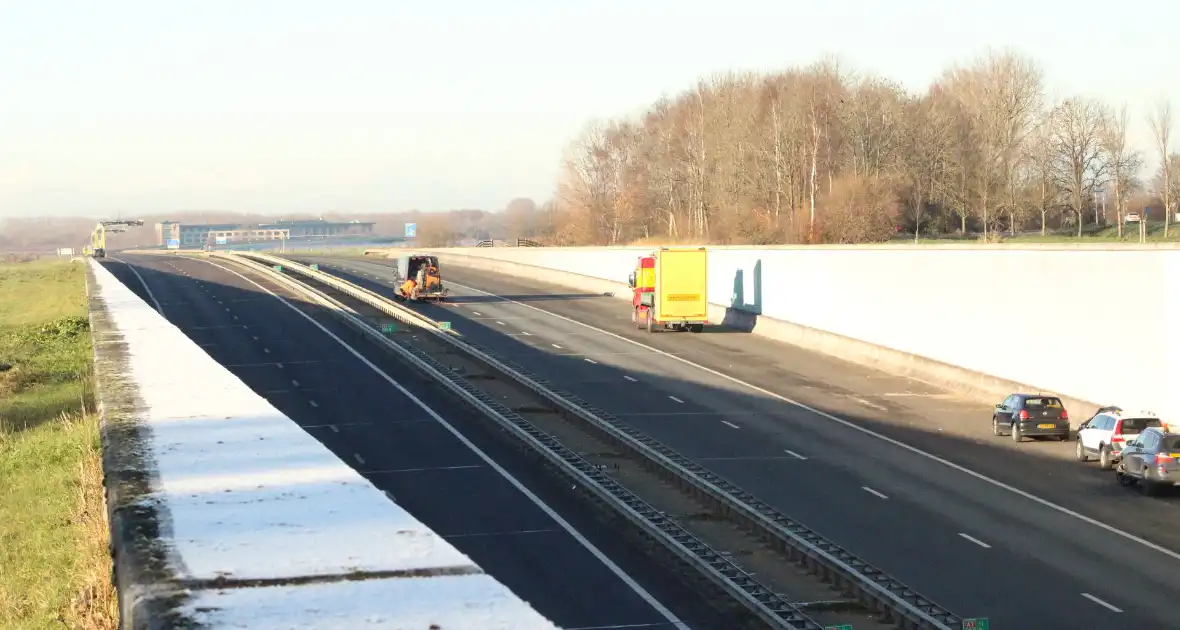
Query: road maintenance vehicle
{"x": 419, "y": 278}
{"x": 670, "y": 290}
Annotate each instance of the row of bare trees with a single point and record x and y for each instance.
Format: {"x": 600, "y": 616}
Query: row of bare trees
{"x": 822, "y": 155}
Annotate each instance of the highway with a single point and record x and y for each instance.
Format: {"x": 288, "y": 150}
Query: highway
{"x": 481, "y": 495}
{"x": 907, "y": 477}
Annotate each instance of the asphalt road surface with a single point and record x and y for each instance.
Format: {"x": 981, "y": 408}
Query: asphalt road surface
{"x": 397, "y": 445}
{"x": 906, "y": 476}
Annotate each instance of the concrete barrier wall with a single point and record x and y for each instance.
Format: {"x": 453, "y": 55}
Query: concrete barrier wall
{"x": 224, "y": 513}
{"x": 1095, "y": 324}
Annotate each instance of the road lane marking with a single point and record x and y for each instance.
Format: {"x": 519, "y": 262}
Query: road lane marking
{"x": 235, "y": 316}
{"x": 255, "y": 337}
{"x": 555, "y": 346}
{"x": 873, "y": 492}
{"x": 334, "y": 428}
{"x": 519, "y": 532}
{"x": 631, "y": 378}
{"x": 146, "y": 288}
{"x": 313, "y": 403}
{"x": 1175, "y": 555}
{"x": 476, "y": 313}
{"x": 1101, "y": 603}
{"x": 730, "y": 424}
{"x": 266, "y": 350}
{"x": 589, "y": 360}
{"x": 794, "y": 454}
{"x": 745, "y": 458}
{"x": 279, "y": 365}
{"x": 295, "y": 382}
{"x": 868, "y": 403}
{"x": 976, "y": 541}
{"x": 500, "y": 323}
{"x": 395, "y": 471}
{"x": 360, "y": 460}
{"x": 676, "y": 399}
{"x": 550, "y": 512}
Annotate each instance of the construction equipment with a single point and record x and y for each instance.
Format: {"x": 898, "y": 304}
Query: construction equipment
{"x": 98, "y": 238}
{"x": 419, "y": 277}
{"x": 671, "y": 290}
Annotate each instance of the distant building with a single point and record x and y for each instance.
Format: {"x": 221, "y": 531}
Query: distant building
{"x": 199, "y": 234}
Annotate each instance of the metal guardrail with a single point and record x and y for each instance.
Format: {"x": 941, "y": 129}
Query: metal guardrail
{"x": 884, "y": 593}
{"x": 753, "y": 595}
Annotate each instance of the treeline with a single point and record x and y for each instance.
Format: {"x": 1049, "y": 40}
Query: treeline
{"x": 820, "y": 154}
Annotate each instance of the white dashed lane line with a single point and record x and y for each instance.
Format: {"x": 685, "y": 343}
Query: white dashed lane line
{"x": 589, "y": 360}
{"x": 975, "y": 540}
{"x": 631, "y": 378}
{"x": 730, "y": 424}
{"x": 874, "y": 492}
{"x": 1102, "y": 603}
{"x": 794, "y": 454}
{"x": 676, "y": 399}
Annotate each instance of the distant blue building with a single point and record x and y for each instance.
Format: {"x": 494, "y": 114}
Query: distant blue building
{"x": 200, "y": 234}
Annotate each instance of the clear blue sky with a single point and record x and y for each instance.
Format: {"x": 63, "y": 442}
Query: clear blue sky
{"x": 375, "y": 105}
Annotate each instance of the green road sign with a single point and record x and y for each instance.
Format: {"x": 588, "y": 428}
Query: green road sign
{"x": 444, "y": 325}
{"x": 315, "y": 267}
{"x": 843, "y": 626}
{"x": 389, "y": 329}
{"x": 278, "y": 267}
{"x": 978, "y": 623}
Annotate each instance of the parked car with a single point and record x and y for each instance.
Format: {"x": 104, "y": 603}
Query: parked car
{"x": 1031, "y": 415}
{"x": 1106, "y": 434}
{"x": 1151, "y": 460}
{"x": 1131, "y": 217}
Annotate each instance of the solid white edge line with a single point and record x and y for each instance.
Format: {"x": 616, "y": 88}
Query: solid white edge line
{"x": 151, "y": 295}
{"x": 1102, "y": 603}
{"x": 589, "y": 546}
{"x": 874, "y": 492}
{"x": 851, "y": 425}
{"x": 975, "y": 540}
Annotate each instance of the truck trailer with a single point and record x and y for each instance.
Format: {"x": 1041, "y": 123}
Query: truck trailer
{"x": 670, "y": 290}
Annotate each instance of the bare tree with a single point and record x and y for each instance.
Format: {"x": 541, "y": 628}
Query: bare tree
{"x": 1160, "y": 121}
{"x": 1078, "y": 156}
{"x": 1124, "y": 163}
{"x": 1039, "y": 164}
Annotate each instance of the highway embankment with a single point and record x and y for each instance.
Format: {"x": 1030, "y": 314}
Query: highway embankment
{"x": 1093, "y": 324}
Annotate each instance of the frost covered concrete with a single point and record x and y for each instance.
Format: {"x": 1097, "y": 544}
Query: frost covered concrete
{"x": 262, "y": 524}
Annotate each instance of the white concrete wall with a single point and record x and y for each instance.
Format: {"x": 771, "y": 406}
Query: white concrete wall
{"x": 1091, "y": 323}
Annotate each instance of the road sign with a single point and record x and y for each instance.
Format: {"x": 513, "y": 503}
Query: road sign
{"x": 978, "y": 623}
{"x": 173, "y": 243}
{"x": 315, "y": 267}
{"x": 444, "y": 325}
{"x": 278, "y": 267}
{"x": 411, "y": 230}
{"x": 221, "y": 240}
{"x": 389, "y": 329}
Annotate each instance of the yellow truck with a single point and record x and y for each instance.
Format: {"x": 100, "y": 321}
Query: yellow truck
{"x": 671, "y": 289}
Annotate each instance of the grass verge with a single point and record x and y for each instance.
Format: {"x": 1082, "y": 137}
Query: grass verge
{"x": 54, "y": 561}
